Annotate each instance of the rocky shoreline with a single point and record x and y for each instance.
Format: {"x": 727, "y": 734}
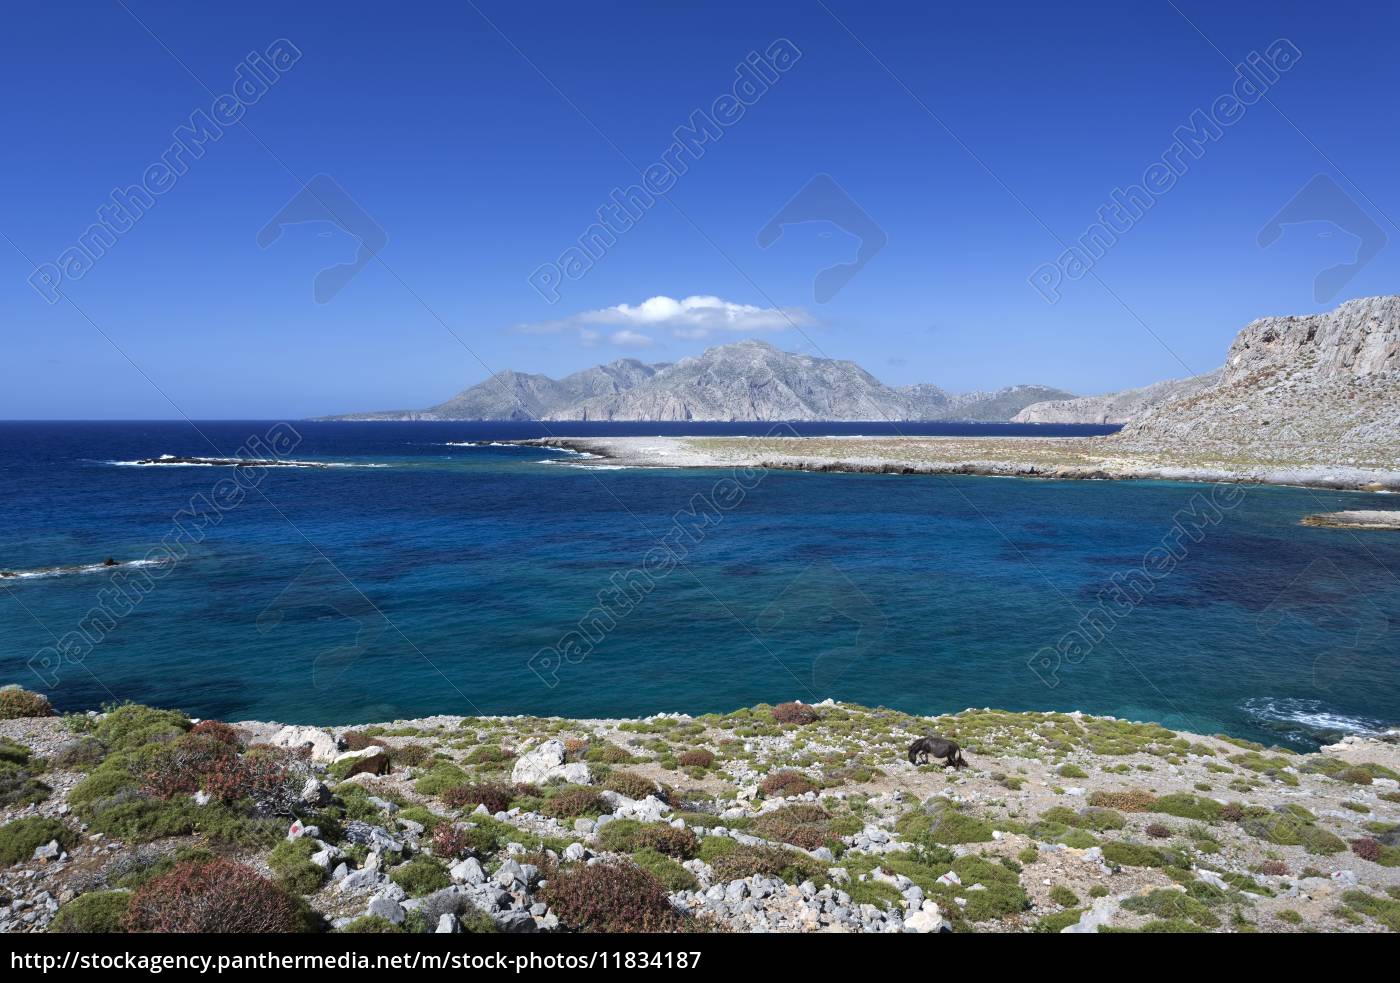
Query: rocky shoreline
{"x": 789, "y": 818}
{"x": 1357, "y": 519}
{"x": 1062, "y": 458}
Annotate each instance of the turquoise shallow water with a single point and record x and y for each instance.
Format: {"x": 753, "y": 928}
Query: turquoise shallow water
{"x": 422, "y": 578}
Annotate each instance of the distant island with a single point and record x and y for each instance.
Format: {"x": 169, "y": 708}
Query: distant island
{"x": 1311, "y": 400}
{"x": 743, "y": 381}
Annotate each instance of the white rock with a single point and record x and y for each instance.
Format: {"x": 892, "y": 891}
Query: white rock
{"x": 468, "y": 872}
{"x": 925, "y": 920}
{"x": 545, "y": 762}
{"x": 322, "y": 744}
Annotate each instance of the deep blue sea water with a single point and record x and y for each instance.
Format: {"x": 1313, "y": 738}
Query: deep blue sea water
{"x": 422, "y": 577}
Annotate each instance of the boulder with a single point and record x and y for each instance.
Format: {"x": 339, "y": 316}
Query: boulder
{"x": 386, "y": 907}
{"x": 314, "y": 794}
{"x": 544, "y": 763}
{"x": 468, "y": 872}
{"x": 372, "y": 760}
{"x": 448, "y": 925}
{"x": 323, "y": 746}
{"x": 927, "y": 919}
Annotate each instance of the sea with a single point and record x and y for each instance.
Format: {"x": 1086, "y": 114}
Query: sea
{"x": 395, "y": 570}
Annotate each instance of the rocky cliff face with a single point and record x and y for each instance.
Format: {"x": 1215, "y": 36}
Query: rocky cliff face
{"x": 748, "y": 381}
{"x": 1119, "y": 407}
{"x": 1321, "y": 387}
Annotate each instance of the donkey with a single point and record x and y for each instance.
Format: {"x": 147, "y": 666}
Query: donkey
{"x": 927, "y": 748}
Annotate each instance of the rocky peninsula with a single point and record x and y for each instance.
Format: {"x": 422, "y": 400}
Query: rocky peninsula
{"x": 787, "y": 818}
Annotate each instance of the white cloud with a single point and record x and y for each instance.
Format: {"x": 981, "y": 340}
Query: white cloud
{"x": 691, "y": 318}
{"x": 630, "y": 339}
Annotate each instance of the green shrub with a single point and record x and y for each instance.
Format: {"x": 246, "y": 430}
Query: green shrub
{"x": 1072, "y": 771}
{"x": 1188, "y": 806}
{"x": 1059, "y": 921}
{"x": 421, "y": 875}
{"x": 373, "y": 925}
{"x": 94, "y": 913}
{"x": 131, "y": 726}
{"x": 607, "y": 754}
{"x": 1095, "y": 818}
{"x": 1134, "y": 855}
{"x": 664, "y": 869}
{"x": 1170, "y": 905}
{"x": 20, "y": 838}
{"x": 712, "y": 848}
{"x": 1288, "y": 829}
{"x": 940, "y": 822}
{"x": 1063, "y": 896}
{"x": 488, "y": 754}
{"x": 79, "y": 754}
{"x": 18, "y": 786}
{"x": 439, "y": 778}
{"x": 290, "y": 861}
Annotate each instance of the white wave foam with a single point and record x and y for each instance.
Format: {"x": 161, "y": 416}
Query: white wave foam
{"x": 173, "y": 461}
{"x": 44, "y": 573}
{"x": 1310, "y": 719}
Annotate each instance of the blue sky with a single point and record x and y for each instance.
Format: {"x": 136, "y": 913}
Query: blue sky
{"x": 481, "y": 139}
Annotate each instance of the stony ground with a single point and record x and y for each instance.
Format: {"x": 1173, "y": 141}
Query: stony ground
{"x": 1061, "y": 823}
{"x": 1022, "y": 457}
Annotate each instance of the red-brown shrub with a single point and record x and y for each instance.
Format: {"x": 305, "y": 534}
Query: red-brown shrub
{"x": 494, "y": 796}
{"x": 678, "y": 843}
{"x": 214, "y": 896}
{"x": 794, "y": 713}
{"x": 1366, "y": 848}
{"x": 787, "y": 783}
{"x": 450, "y": 842}
{"x": 410, "y": 755}
{"x": 630, "y": 784}
{"x": 698, "y": 758}
{"x": 16, "y": 703}
{"x": 354, "y": 740}
{"x": 1273, "y": 868}
{"x": 1157, "y": 830}
{"x": 577, "y": 802}
{"x": 220, "y": 731}
{"x": 802, "y": 825}
{"x": 184, "y": 767}
{"x": 610, "y": 897}
{"x": 1232, "y": 812}
{"x": 268, "y": 777}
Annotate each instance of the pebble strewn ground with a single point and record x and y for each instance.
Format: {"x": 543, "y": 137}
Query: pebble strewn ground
{"x": 1061, "y": 822}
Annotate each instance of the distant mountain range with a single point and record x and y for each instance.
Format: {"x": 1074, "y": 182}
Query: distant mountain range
{"x": 744, "y": 381}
